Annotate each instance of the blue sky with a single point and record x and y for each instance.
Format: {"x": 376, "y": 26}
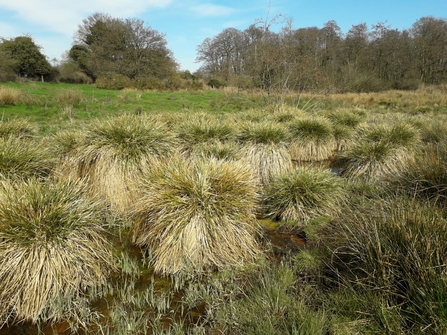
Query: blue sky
{"x": 186, "y": 23}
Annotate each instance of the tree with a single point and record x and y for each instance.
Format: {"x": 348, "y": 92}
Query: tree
{"x": 27, "y": 59}
{"x": 430, "y": 43}
{"x": 106, "y": 45}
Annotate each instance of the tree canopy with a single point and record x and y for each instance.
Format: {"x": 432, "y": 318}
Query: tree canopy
{"x": 363, "y": 59}
{"x": 24, "y": 57}
{"x": 106, "y": 45}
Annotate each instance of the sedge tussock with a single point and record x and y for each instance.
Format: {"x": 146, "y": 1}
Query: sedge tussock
{"x": 114, "y": 153}
{"x": 197, "y": 215}
{"x": 24, "y": 158}
{"x": 264, "y": 149}
{"x": 303, "y": 194}
{"x": 52, "y": 249}
{"x": 17, "y": 128}
{"x": 312, "y": 139}
{"x": 381, "y": 151}
{"x": 266, "y": 160}
{"x": 202, "y": 128}
{"x": 9, "y": 95}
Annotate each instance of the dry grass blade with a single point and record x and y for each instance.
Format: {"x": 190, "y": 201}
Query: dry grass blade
{"x": 52, "y": 247}
{"x": 197, "y": 215}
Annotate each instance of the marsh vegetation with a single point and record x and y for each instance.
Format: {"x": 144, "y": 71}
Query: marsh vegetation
{"x": 138, "y": 212}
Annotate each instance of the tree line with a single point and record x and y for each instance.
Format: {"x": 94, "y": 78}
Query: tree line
{"x": 364, "y": 59}
{"x": 115, "y": 53}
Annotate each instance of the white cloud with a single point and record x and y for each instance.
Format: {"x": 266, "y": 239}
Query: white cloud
{"x": 209, "y": 9}
{"x": 64, "y": 16}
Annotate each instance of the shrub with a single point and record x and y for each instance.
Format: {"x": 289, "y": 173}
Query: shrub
{"x": 9, "y": 95}
{"x": 303, "y": 194}
{"x": 197, "y": 215}
{"x": 215, "y": 83}
{"x": 52, "y": 248}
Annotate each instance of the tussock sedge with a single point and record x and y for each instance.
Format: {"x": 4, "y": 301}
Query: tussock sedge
{"x": 24, "y": 158}
{"x": 52, "y": 249}
{"x": 303, "y": 194}
{"x": 264, "y": 149}
{"x": 312, "y": 139}
{"x": 197, "y": 215}
{"x": 9, "y": 95}
{"x": 202, "y": 128}
{"x": 115, "y": 152}
{"x": 381, "y": 151}
{"x": 17, "y": 128}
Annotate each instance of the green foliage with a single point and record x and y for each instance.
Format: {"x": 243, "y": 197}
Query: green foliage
{"x": 28, "y": 60}
{"x": 270, "y": 306}
{"x": 215, "y": 83}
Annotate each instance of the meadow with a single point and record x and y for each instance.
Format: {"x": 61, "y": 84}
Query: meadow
{"x": 222, "y": 211}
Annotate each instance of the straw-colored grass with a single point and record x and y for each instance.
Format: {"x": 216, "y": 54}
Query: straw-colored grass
{"x": 312, "y": 139}
{"x": 264, "y": 149}
{"x": 52, "y": 248}
{"x": 303, "y": 194}
{"x": 217, "y": 150}
{"x": 200, "y": 127}
{"x": 9, "y": 95}
{"x": 17, "y": 128}
{"x": 115, "y": 152}
{"x": 197, "y": 215}
{"x": 381, "y": 151}
{"x": 23, "y": 158}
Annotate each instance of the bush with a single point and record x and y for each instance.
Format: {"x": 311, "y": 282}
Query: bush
{"x": 197, "y": 215}
{"x": 215, "y": 83}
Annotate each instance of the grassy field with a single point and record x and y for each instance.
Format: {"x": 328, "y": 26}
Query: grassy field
{"x": 222, "y": 212}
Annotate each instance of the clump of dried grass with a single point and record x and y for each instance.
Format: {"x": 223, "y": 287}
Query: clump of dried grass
{"x": 17, "y": 128}
{"x": 24, "y": 158}
{"x": 52, "y": 248}
{"x": 381, "y": 151}
{"x": 115, "y": 152}
{"x": 264, "y": 149}
{"x": 197, "y": 215}
{"x": 312, "y": 139}
{"x": 303, "y": 194}
{"x": 9, "y": 95}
